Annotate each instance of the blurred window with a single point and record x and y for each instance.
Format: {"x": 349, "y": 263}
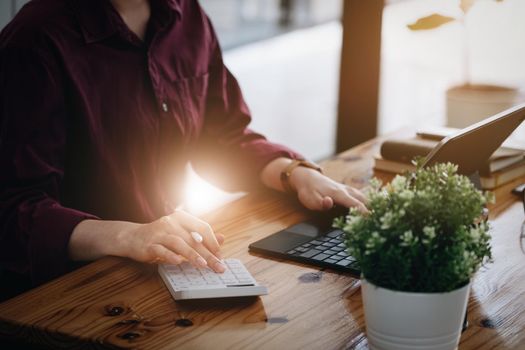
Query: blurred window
{"x": 239, "y": 22}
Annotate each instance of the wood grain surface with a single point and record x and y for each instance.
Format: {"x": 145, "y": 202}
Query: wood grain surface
{"x": 117, "y": 303}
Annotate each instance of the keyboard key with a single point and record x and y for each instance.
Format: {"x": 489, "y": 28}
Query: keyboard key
{"x": 330, "y": 252}
{"x": 343, "y": 263}
{"x": 323, "y": 239}
{"x": 315, "y": 242}
{"x": 310, "y": 253}
{"x": 342, "y": 253}
{"x": 291, "y": 252}
{"x": 320, "y": 257}
{"x": 301, "y": 249}
{"x": 334, "y": 233}
{"x": 335, "y": 241}
{"x": 342, "y": 245}
{"x": 336, "y": 257}
{"x": 306, "y": 245}
{"x": 330, "y": 261}
{"x": 337, "y": 248}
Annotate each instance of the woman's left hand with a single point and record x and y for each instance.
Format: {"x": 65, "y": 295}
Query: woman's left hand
{"x": 319, "y": 192}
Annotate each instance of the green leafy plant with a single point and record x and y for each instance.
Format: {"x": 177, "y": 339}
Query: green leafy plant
{"x": 423, "y": 232}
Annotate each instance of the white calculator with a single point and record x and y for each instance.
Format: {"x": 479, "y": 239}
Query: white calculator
{"x": 185, "y": 281}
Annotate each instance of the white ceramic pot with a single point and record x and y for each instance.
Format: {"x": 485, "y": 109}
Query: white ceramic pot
{"x": 468, "y": 104}
{"x": 408, "y": 321}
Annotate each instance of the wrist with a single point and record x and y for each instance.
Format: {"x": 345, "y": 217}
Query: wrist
{"x": 92, "y": 239}
{"x": 300, "y": 176}
{"x": 120, "y": 241}
{"x": 295, "y": 172}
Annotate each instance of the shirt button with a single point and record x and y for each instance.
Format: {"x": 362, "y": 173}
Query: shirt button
{"x": 164, "y": 106}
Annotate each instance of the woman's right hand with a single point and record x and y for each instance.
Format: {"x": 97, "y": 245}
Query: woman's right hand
{"x": 169, "y": 240}
{"x": 166, "y": 240}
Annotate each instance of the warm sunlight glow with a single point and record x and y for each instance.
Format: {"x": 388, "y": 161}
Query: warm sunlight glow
{"x": 201, "y": 197}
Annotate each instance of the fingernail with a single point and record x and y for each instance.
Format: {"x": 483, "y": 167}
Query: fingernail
{"x": 196, "y": 236}
{"x": 219, "y": 267}
{"x": 201, "y": 262}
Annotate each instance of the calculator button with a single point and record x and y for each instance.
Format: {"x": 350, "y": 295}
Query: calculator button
{"x": 245, "y": 281}
{"x": 188, "y": 282}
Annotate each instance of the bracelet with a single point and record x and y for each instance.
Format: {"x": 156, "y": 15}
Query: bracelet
{"x": 287, "y": 172}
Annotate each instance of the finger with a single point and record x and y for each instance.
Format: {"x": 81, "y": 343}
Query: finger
{"x": 161, "y": 254}
{"x": 220, "y": 238}
{"x": 357, "y": 194}
{"x": 191, "y": 246}
{"x": 327, "y": 203}
{"x": 213, "y": 262}
{"x": 194, "y": 224}
{"x": 343, "y": 198}
{"x": 311, "y": 200}
{"x": 178, "y": 245}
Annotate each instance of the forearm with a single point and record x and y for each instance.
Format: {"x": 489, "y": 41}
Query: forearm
{"x": 168, "y": 239}
{"x": 93, "y": 239}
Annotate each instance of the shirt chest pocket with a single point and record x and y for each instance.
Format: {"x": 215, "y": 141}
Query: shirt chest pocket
{"x": 187, "y": 96}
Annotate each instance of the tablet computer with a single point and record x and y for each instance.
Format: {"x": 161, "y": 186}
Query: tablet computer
{"x": 470, "y": 147}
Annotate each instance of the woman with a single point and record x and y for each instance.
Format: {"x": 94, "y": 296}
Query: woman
{"x": 102, "y": 105}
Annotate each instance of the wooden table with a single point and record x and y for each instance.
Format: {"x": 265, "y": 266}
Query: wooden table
{"x": 115, "y": 302}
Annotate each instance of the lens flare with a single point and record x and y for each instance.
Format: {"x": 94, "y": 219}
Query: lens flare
{"x": 201, "y": 197}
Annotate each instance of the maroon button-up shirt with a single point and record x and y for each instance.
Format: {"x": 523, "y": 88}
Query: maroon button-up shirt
{"x": 96, "y": 123}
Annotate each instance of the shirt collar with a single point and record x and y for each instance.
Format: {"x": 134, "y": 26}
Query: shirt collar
{"x": 99, "y": 20}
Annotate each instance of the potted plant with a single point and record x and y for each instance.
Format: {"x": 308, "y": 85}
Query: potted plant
{"x": 468, "y": 103}
{"x": 418, "y": 249}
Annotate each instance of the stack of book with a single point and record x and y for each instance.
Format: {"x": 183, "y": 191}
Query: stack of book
{"x": 396, "y": 155}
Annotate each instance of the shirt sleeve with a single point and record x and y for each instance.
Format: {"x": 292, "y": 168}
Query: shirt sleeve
{"x": 229, "y": 153}
{"x": 34, "y": 226}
